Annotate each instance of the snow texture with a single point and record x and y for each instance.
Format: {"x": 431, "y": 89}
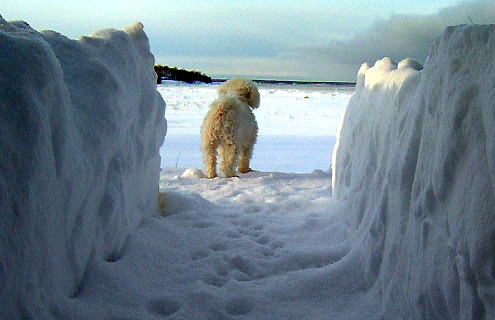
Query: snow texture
{"x": 414, "y": 168}
{"x": 81, "y": 125}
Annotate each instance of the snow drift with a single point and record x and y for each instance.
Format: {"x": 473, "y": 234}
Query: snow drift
{"x": 415, "y": 167}
{"x": 81, "y": 125}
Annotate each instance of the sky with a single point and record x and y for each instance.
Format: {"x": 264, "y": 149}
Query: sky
{"x": 265, "y": 39}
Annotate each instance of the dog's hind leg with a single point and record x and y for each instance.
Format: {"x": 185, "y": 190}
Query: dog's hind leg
{"x": 210, "y": 158}
{"x": 246, "y": 155}
{"x": 229, "y": 157}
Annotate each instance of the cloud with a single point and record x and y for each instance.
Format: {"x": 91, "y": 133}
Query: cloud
{"x": 220, "y": 45}
{"x": 260, "y": 47}
{"x": 398, "y": 37}
{"x": 244, "y": 66}
{"x": 314, "y": 39}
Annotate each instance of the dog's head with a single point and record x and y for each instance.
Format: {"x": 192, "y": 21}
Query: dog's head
{"x": 243, "y": 89}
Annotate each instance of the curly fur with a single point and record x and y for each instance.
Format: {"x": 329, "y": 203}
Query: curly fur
{"x": 243, "y": 89}
{"x": 230, "y": 127}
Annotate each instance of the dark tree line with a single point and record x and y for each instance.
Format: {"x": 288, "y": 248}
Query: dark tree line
{"x": 173, "y": 73}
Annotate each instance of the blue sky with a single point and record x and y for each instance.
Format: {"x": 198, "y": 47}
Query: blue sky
{"x": 309, "y": 40}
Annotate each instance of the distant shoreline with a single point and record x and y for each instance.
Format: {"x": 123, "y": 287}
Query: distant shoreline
{"x": 302, "y": 82}
{"x": 166, "y": 73}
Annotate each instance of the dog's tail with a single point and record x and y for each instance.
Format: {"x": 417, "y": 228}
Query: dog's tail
{"x": 226, "y": 108}
{"x": 224, "y": 117}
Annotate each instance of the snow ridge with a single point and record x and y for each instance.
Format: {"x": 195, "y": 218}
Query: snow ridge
{"x": 414, "y": 165}
{"x": 81, "y": 125}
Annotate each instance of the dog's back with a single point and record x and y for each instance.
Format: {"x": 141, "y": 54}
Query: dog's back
{"x": 227, "y": 115}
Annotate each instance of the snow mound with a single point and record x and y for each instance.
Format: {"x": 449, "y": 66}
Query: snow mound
{"x": 415, "y": 168}
{"x": 192, "y": 173}
{"x": 81, "y": 124}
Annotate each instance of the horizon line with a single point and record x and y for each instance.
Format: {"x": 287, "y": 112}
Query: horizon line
{"x": 289, "y": 81}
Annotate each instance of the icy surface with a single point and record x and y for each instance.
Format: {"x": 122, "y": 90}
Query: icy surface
{"x": 414, "y": 169}
{"x": 81, "y": 124}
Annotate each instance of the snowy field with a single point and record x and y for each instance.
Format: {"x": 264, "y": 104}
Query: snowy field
{"x": 294, "y": 121}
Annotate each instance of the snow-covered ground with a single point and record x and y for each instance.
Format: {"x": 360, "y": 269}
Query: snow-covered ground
{"x": 263, "y": 246}
{"x": 294, "y": 121}
{"x": 407, "y": 232}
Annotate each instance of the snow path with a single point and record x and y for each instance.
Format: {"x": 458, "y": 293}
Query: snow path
{"x": 265, "y": 245}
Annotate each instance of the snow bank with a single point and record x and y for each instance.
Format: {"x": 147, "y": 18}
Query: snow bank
{"x": 81, "y": 125}
{"x": 415, "y": 167}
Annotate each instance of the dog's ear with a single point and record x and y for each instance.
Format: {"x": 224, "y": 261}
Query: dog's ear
{"x": 253, "y": 96}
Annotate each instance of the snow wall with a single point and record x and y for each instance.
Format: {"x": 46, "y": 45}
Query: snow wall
{"x": 81, "y": 124}
{"x": 415, "y": 164}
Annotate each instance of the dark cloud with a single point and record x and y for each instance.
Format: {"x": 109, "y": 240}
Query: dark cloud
{"x": 399, "y": 37}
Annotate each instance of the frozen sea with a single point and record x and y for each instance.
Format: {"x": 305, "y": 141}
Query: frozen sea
{"x": 295, "y": 120}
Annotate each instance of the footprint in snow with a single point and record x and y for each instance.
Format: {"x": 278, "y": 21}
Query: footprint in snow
{"x": 258, "y": 227}
{"x": 222, "y": 269}
{"x": 214, "y": 280}
{"x": 164, "y": 306}
{"x": 246, "y": 266}
{"x": 202, "y": 224}
{"x": 232, "y": 234}
{"x": 263, "y": 240}
{"x": 252, "y": 209}
{"x": 267, "y": 252}
{"x": 198, "y": 255}
{"x": 217, "y": 246}
{"x": 277, "y": 244}
{"x": 249, "y": 233}
{"x": 241, "y": 222}
{"x": 239, "y": 306}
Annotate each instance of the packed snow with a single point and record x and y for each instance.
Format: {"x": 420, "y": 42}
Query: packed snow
{"x": 81, "y": 124}
{"x": 408, "y": 232}
{"x": 414, "y": 170}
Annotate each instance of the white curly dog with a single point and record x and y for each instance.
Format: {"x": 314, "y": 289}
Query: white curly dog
{"x": 230, "y": 127}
